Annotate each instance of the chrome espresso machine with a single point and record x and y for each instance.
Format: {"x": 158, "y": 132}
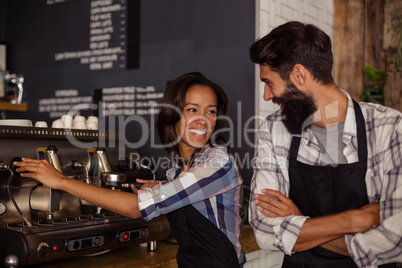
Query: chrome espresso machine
{"x": 39, "y": 224}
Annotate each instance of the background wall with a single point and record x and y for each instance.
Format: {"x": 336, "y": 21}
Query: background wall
{"x": 175, "y": 37}
{"x": 369, "y": 37}
{"x": 273, "y": 13}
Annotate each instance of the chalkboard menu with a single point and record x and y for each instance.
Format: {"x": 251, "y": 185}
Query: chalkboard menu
{"x": 107, "y": 36}
{"x": 82, "y": 35}
{"x": 123, "y": 53}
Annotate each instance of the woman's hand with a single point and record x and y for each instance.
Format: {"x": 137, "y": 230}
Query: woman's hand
{"x": 274, "y": 204}
{"x": 40, "y": 170}
{"x": 146, "y": 183}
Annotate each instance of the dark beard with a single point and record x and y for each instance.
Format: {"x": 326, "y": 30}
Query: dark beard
{"x": 297, "y": 108}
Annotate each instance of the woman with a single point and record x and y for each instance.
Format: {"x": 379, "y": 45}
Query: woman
{"x": 203, "y": 194}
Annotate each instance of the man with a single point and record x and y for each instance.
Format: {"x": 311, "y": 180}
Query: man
{"x": 327, "y": 183}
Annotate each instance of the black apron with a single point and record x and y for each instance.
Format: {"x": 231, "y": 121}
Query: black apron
{"x": 324, "y": 190}
{"x": 201, "y": 243}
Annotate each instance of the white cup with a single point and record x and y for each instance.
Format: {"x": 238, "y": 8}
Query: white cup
{"x": 41, "y": 124}
{"x": 80, "y": 125}
{"x": 68, "y": 120}
{"x": 79, "y": 118}
{"x": 63, "y": 117}
{"x": 92, "y": 125}
{"x": 92, "y": 119}
{"x": 58, "y": 124}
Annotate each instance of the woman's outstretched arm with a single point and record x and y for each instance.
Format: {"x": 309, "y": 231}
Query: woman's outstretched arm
{"x": 122, "y": 203}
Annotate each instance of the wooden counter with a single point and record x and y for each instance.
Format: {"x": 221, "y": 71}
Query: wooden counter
{"x": 137, "y": 256}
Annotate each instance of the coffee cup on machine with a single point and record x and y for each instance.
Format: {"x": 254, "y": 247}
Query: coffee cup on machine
{"x": 92, "y": 125}
{"x": 58, "y": 123}
{"x": 92, "y": 122}
{"x": 41, "y": 124}
{"x": 92, "y": 119}
{"x": 68, "y": 120}
{"x": 79, "y": 118}
{"x": 80, "y": 125}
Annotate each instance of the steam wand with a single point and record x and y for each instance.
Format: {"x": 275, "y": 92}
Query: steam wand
{"x": 145, "y": 167}
{"x": 76, "y": 165}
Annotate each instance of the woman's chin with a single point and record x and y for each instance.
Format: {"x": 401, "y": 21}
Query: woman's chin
{"x": 199, "y": 144}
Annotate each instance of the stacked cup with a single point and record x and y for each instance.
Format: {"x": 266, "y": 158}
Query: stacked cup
{"x": 58, "y": 123}
{"x": 41, "y": 124}
{"x": 68, "y": 120}
{"x": 78, "y": 122}
{"x": 92, "y": 122}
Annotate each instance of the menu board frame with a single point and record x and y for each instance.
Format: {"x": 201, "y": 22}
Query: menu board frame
{"x": 3, "y": 56}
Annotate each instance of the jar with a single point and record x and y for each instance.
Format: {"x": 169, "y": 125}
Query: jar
{"x": 14, "y": 88}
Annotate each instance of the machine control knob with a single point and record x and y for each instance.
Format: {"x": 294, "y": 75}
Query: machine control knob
{"x": 3, "y": 208}
{"x": 52, "y": 148}
{"x": 11, "y": 261}
{"x": 3, "y": 166}
{"x": 43, "y": 249}
{"x": 13, "y": 167}
{"x": 76, "y": 245}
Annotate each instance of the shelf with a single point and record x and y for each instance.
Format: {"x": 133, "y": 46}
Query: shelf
{"x": 53, "y": 133}
{"x": 8, "y": 106}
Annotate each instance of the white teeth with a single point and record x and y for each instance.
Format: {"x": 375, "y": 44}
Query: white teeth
{"x": 198, "y": 132}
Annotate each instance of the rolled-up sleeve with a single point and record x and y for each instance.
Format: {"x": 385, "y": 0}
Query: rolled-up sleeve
{"x": 208, "y": 177}
{"x": 270, "y": 169}
{"x": 380, "y": 245}
{"x": 383, "y": 244}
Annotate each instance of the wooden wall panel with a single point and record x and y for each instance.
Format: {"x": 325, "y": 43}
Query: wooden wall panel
{"x": 364, "y": 36}
{"x": 393, "y": 86}
{"x": 348, "y": 46}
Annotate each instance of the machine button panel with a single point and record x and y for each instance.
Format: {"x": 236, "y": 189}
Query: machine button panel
{"x": 134, "y": 234}
{"x": 85, "y": 243}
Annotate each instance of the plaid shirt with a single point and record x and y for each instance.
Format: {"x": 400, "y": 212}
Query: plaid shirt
{"x": 212, "y": 185}
{"x": 381, "y": 244}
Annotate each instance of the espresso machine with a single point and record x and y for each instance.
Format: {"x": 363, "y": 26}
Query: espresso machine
{"x": 39, "y": 224}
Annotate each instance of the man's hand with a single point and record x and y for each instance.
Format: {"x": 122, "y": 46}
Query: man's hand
{"x": 326, "y": 231}
{"x": 365, "y": 217}
{"x": 337, "y": 245}
{"x": 146, "y": 183}
{"x": 274, "y": 204}
{"x": 318, "y": 231}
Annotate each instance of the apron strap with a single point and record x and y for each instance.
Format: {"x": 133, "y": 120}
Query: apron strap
{"x": 294, "y": 148}
{"x": 361, "y": 133}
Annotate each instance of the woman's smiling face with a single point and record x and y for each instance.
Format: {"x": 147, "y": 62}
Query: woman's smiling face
{"x": 198, "y": 120}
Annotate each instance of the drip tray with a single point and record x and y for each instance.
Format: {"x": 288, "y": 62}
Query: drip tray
{"x": 44, "y": 225}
